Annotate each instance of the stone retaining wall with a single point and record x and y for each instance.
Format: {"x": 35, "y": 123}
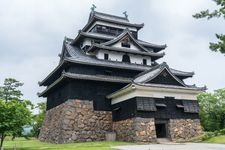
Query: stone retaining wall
{"x": 184, "y": 129}
{"x": 135, "y": 129}
{"x": 75, "y": 120}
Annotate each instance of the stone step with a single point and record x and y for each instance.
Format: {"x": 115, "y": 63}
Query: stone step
{"x": 164, "y": 141}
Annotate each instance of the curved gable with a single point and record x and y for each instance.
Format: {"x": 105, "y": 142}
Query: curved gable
{"x": 160, "y": 74}
{"x": 165, "y": 78}
{"x": 126, "y": 35}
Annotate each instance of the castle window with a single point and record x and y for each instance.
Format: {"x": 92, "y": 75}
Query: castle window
{"x": 106, "y": 56}
{"x": 126, "y": 58}
{"x": 144, "y": 62}
{"x": 125, "y": 45}
{"x": 125, "y": 42}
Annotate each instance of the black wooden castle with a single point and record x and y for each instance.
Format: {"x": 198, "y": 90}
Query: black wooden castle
{"x": 108, "y": 64}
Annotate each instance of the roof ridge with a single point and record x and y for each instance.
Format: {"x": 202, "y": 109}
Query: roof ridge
{"x": 106, "y": 14}
{"x": 162, "y": 66}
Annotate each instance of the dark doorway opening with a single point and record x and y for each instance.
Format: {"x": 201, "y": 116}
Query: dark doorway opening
{"x": 161, "y": 130}
{"x": 126, "y": 58}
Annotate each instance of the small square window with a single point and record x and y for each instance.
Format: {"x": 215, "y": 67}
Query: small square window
{"x": 125, "y": 44}
{"x": 144, "y": 62}
{"x": 106, "y": 56}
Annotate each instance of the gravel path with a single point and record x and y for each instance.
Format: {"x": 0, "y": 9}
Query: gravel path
{"x": 186, "y": 146}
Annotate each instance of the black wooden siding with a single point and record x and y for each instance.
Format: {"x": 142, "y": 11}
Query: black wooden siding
{"x": 165, "y": 78}
{"x": 97, "y": 70}
{"x": 84, "y": 90}
{"x": 127, "y": 109}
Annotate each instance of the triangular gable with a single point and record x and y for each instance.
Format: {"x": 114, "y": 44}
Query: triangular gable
{"x": 159, "y": 75}
{"x": 165, "y": 78}
{"x": 126, "y": 35}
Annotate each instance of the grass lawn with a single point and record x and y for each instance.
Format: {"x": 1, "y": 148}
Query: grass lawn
{"x": 218, "y": 139}
{"x": 34, "y": 144}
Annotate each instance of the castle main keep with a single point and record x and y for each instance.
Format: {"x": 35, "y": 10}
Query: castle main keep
{"x": 109, "y": 80}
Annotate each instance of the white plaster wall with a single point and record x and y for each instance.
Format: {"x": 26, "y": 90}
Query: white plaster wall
{"x": 112, "y": 25}
{"x": 113, "y": 56}
{"x": 149, "y": 61}
{"x": 117, "y": 56}
{"x": 86, "y": 41}
{"x": 157, "y": 93}
{"x": 100, "y": 55}
{"x": 138, "y": 59}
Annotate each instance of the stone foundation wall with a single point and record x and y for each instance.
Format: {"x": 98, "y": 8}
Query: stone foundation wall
{"x": 184, "y": 129}
{"x": 135, "y": 129}
{"x": 75, "y": 120}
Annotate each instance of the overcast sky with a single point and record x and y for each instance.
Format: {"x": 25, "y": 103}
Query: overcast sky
{"x": 32, "y": 31}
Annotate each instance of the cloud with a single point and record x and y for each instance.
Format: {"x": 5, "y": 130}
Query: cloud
{"x": 32, "y": 33}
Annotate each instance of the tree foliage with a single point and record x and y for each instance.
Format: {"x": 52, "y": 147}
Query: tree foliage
{"x": 14, "y": 112}
{"x": 212, "y": 110}
{"x": 39, "y": 118}
{"x": 220, "y": 12}
{"x": 9, "y": 90}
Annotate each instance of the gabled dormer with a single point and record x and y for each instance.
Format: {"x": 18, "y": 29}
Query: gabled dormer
{"x": 126, "y": 40}
{"x": 160, "y": 74}
{"x": 124, "y": 48}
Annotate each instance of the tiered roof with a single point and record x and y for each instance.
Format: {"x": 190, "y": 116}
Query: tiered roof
{"x": 92, "y": 35}
{"x": 73, "y": 54}
{"x": 98, "y": 16}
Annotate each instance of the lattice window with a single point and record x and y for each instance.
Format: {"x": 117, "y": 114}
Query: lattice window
{"x": 190, "y": 106}
{"x": 146, "y": 104}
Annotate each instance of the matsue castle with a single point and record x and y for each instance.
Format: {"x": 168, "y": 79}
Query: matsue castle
{"x": 109, "y": 81}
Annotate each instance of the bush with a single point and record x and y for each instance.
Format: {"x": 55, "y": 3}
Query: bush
{"x": 208, "y": 135}
{"x": 212, "y": 110}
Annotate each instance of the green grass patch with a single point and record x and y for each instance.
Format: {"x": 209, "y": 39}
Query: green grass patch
{"x": 34, "y": 144}
{"x": 218, "y": 139}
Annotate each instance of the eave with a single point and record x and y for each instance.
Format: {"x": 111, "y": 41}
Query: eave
{"x": 154, "y": 90}
{"x": 102, "y": 78}
{"x": 82, "y": 34}
{"x": 95, "y": 18}
{"x": 41, "y": 83}
{"x": 133, "y": 86}
{"x": 125, "y": 50}
{"x": 155, "y": 47}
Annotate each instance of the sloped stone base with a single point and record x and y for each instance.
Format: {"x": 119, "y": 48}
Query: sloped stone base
{"x": 184, "y": 129}
{"x": 135, "y": 129}
{"x": 75, "y": 120}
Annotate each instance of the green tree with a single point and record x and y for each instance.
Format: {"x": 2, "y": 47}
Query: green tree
{"x": 13, "y": 116}
{"x": 9, "y": 90}
{"x": 14, "y": 112}
{"x": 220, "y": 12}
{"x": 212, "y": 110}
{"x": 39, "y": 118}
